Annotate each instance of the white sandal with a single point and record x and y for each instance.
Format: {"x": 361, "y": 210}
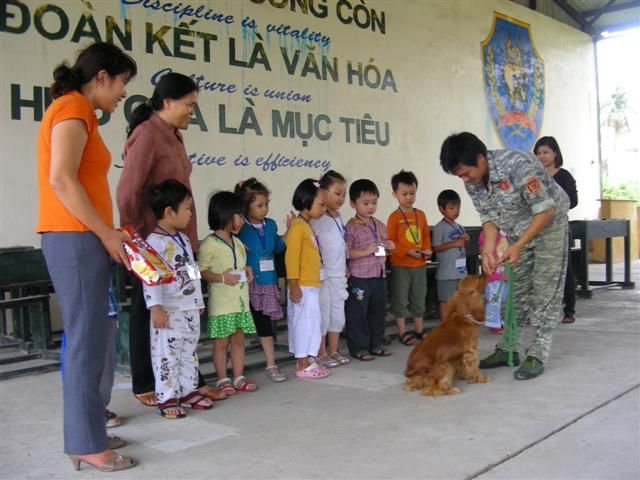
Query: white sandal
{"x": 340, "y": 359}
{"x": 274, "y": 374}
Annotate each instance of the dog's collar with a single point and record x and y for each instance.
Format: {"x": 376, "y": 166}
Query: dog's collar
{"x": 468, "y": 316}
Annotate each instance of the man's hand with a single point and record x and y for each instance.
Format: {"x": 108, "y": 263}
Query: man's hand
{"x": 511, "y": 255}
{"x": 415, "y": 253}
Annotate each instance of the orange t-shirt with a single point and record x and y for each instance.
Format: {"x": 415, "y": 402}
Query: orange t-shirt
{"x": 53, "y": 216}
{"x": 408, "y": 231}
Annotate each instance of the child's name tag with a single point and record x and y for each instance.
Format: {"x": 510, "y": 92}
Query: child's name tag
{"x": 266, "y": 265}
{"x": 241, "y": 274}
{"x": 461, "y": 265}
{"x": 193, "y": 271}
{"x": 380, "y": 252}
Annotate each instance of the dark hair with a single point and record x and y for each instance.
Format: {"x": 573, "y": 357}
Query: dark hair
{"x": 408, "y": 178}
{"x": 329, "y": 178}
{"x": 96, "y": 57}
{"x": 305, "y": 194}
{"x": 461, "y": 148}
{"x": 170, "y": 193}
{"x": 222, "y": 207}
{"x": 248, "y": 190}
{"x": 171, "y": 85}
{"x": 361, "y": 186}
{"x": 553, "y": 145}
{"x": 448, "y": 196}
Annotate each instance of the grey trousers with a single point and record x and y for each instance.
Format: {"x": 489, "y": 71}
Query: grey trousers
{"x": 108, "y": 374}
{"x": 79, "y": 268}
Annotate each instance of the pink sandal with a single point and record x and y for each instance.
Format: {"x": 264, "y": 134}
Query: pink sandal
{"x": 313, "y": 371}
{"x": 225, "y": 386}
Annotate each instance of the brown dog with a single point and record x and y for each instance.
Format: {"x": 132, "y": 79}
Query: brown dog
{"x": 450, "y": 350}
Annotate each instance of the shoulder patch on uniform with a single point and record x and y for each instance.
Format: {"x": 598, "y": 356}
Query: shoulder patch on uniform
{"x": 533, "y": 185}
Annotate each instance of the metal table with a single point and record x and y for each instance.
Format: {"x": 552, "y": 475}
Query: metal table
{"x": 586, "y": 230}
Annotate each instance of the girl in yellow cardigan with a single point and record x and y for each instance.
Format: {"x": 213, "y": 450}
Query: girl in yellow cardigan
{"x": 304, "y": 263}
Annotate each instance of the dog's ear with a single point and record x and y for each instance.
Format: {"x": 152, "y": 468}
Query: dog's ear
{"x": 460, "y": 303}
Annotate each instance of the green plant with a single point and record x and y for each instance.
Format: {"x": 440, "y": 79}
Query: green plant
{"x": 622, "y": 191}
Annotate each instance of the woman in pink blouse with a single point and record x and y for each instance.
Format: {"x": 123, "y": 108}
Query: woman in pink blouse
{"x": 155, "y": 152}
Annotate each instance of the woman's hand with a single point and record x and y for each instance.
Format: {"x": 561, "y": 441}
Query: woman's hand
{"x": 112, "y": 241}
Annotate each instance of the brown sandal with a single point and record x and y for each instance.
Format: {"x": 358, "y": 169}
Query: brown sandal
{"x": 147, "y": 399}
{"x": 211, "y": 393}
{"x": 118, "y": 462}
{"x": 363, "y": 356}
{"x": 381, "y": 352}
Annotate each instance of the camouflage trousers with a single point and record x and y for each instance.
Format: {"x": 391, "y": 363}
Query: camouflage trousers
{"x": 538, "y": 288}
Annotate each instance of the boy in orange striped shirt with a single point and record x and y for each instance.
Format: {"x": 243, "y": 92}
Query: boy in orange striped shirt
{"x": 408, "y": 229}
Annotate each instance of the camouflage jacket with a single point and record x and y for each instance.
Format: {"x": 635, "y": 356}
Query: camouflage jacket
{"x": 519, "y": 187}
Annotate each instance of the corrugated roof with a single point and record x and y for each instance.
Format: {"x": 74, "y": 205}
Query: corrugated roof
{"x": 591, "y": 16}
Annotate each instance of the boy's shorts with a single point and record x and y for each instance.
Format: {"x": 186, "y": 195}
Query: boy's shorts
{"x": 446, "y": 288}
{"x": 408, "y": 291}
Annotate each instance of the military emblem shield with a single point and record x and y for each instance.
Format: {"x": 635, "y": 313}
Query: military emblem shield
{"x": 513, "y": 82}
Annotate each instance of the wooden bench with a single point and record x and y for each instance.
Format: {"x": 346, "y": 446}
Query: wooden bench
{"x": 24, "y": 291}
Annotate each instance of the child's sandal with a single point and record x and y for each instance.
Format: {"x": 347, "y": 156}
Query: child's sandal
{"x": 195, "y": 401}
{"x": 381, "y": 352}
{"x": 408, "y": 338}
{"x": 313, "y": 371}
{"x": 243, "y": 384}
{"x": 342, "y": 360}
{"x": 274, "y": 374}
{"x": 225, "y": 386}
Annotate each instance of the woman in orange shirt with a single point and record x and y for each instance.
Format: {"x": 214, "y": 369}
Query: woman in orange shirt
{"x": 76, "y": 222}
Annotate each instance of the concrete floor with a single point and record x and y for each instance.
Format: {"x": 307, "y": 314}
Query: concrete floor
{"x": 580, "y": 420}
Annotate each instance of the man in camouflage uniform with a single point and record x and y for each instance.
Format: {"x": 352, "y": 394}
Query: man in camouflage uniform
{"x": 513, "y": 192}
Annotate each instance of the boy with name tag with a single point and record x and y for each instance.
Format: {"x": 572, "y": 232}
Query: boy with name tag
{"x": 175, "y": 307}
{"x": 449, "y": 241}
{"x": 368, "y": 246}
